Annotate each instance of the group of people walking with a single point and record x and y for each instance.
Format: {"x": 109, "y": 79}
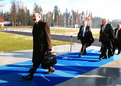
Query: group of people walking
{"x": 109, "y": 38}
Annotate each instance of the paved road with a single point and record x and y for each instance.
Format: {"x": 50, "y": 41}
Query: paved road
{"x": 56, "y": 37}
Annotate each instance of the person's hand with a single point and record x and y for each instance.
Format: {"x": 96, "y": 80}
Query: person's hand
{"x": 48, "y": 51}
{"x": 77, "y": 38}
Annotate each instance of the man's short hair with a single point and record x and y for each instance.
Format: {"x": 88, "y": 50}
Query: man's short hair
{"x": 104, "y": 19}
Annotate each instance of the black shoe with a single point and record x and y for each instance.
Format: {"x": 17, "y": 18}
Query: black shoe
{"x": 80, "y": 54}
{"x": 105, "y": 57}
{"x": 110, "y": 55}
{"x": 100, "y": 58}
{"x": 28, "y": 77}
{"x": 84, "y": 53}
{"x": 118, "y": 53}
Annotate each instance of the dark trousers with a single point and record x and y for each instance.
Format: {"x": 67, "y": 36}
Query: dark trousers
{"x": 35, "y": 66}
{"x": 37, "y": 60}
{"x": 84, "y": 46}
{"x": 83, "y": 49}
{"x": 115, "y": 45}
{"x": 106, "y": 46}
{"x": 103, "y": 50}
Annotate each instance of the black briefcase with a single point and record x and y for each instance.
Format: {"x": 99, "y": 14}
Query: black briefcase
{"x": 49, "y": 60}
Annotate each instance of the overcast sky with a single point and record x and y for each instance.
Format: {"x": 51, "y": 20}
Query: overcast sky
{"x": 109, "y": 9}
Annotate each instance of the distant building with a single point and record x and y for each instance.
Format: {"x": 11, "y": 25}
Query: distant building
{"x": 2, "y": 22}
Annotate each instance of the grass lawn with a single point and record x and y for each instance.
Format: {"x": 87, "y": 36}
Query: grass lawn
{"x": 96, "y": 35}
{"x": 67, "y": 32}
{"x": 13, "y": 42}
{"x": 1, "y": 28}
{"x": 72, "y": 32}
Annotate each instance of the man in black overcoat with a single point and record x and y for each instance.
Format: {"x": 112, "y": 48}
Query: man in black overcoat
{"x": 107, "y": 37}
{"x": 117, "y": 38}
{"x": 41, "y": 44}
{"x": 119, "y": 41}
{"x": 85, "y": 36}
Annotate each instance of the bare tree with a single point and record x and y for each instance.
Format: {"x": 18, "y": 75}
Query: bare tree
{"x": 26, "y": 16}
{"x": 19, "y": 13}
{"x": 22, "y": 14}
{"x": 37, "y": 9}
{"x": 13, "y": 13}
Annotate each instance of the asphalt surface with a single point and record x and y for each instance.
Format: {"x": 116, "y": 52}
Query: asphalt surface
{"x": 57, "y": 37}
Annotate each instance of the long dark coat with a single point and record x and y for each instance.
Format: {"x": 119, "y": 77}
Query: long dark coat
{"x": 115, "y": 30}
{"x": 119, "y": 39}
{"x": 115, "y": 41}
{"x": 108, "y": 34}
{"x": 41, "y": 40}
{"x": 107, "y": 37}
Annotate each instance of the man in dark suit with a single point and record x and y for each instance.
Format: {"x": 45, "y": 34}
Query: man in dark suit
{"x": 119, "y": 41}
{"x": 41, "y": 45}
{"x": 107, "y": 37}
{"x": 117, "y": 38}
{"x": 85, "y": 35}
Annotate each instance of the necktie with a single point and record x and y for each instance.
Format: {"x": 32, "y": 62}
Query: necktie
{"x": 103, "y": 27}
{"x": 83, "y": 32}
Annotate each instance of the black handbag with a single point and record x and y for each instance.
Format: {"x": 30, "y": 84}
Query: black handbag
{"x": 49, "y": 60}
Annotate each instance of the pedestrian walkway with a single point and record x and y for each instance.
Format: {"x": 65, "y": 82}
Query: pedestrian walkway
{"x": 70, "y": 69}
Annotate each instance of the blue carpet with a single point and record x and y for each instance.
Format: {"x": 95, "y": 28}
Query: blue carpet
{"x": 67, "y": 67}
